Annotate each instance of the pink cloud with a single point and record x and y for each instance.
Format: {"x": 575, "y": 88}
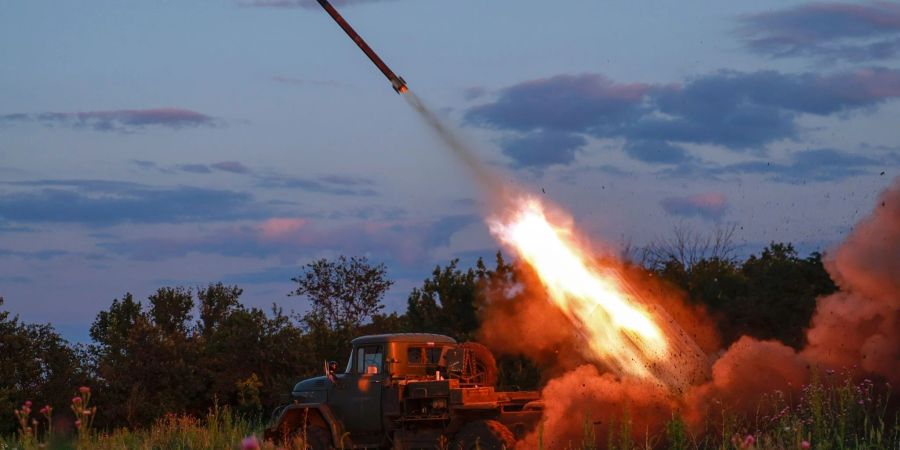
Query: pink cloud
{"x": 280, "y": 227}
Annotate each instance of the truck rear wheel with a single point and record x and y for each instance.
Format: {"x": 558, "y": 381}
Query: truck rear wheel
{"x": 484, "y": 435}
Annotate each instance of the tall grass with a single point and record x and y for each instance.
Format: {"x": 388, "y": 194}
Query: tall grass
{"x": 830, "y": 414}
{"x": 220, "y": 429}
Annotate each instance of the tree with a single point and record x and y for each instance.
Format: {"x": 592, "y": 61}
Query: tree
{"x": 217, "y": 302}
{"x": 686, "y": 247}
{"x": 781, "y": 294}
{"x": 36, "y": 364}
{"x": 146, "y": 360}
{"x": 343, "y": 294}
{"x": 446, "y": 303}
{"x": 170, "y": 308}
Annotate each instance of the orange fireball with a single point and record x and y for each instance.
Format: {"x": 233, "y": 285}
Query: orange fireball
{"x": 621, "y": 331}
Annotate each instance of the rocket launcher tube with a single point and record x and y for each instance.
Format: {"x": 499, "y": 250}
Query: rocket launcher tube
{"x": 398, "y": 83}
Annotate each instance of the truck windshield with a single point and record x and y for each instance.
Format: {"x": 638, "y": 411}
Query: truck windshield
{"x": 349, "y": 367}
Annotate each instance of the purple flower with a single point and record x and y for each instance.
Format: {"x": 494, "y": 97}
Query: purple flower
{"x": 250, "y": 443}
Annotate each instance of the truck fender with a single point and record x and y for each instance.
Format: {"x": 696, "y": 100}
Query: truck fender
{"x": 292, "y": 416}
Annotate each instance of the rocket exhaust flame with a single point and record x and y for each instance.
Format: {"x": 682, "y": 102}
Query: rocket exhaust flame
{"x": 625, "y": 333}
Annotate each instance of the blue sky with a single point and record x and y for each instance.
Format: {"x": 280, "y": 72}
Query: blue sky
{"x": 162, "y": 143}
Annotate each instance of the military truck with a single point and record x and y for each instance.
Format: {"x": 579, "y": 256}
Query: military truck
{"x": 407, "y": 391}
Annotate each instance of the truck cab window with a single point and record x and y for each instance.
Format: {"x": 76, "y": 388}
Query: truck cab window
{"x": 369, "y": 360}
{"x": 414, "y": 355}
{"x": 433, "y": 354}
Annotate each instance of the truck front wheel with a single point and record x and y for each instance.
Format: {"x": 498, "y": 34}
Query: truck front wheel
{"x": 484, "y": 435}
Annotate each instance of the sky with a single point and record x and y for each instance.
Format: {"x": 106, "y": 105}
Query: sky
{"x": 163, "y": 143}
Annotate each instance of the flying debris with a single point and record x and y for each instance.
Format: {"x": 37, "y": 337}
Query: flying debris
{"x": 397, "y": 82}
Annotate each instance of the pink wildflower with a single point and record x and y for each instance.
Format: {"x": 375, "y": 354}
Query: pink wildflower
{"x": 45, "y": 410}
{"x": 250, "y": 443}
{"x": 805, "y": 445}
{"x": 84, "y": 390}
{"x": 76, "y": 400}
{"x": 86, "y": 412}
{"x": 28, "y": 403}
{"x": 78, "y": 423}
{"x": 748, "y": 441}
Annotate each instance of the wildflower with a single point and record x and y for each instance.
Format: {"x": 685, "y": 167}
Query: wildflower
{"x": 76, "y": 400}
{"x": 805, "y": 445}
{"x": 250, "y": 443}
{"x": 78, "y": 423}
{"x": 84, "y": 390}
{"x": 28, "y": 404}
{"x": 748, "y": 441}
{"x": 86, "y": 412}
{"x": 45, "y": 410}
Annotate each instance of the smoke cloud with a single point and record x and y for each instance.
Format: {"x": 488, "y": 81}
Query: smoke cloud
{"x": 860, "y": 325}
{"x": 856, "y": 330}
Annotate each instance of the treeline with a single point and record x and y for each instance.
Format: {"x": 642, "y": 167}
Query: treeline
{"x": 182, "y": 350}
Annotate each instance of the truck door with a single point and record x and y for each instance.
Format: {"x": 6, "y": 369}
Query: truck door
{"x": 358, "y": 399}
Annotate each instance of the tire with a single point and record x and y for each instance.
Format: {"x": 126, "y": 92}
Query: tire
{"x": 486, "y": 373}
{"x": 484, "y": 435}
{"x": 317, "y": 438}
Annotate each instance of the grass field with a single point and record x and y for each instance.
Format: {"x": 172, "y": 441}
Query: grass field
{"x": 825, "y": 416}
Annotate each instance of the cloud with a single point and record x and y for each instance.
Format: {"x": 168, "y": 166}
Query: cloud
{"x": 808, "y": 165}
{"x": 707, "y": 206}
{"x": 474, "y": 92}
{"x": 543, "y": 148}
{"x": 335, "y": 184}
{"x": 194, "y": 168}
{"x": 40, "y": 255}
{"x": 589, "y": 103}
{"x": 826, "y": 31}
{"x": 739, "y": 111}
{"x": 325, "y": 184}
{"x": 656, "y": 152}
{"x": 814, "y": 165}
{"x": 300, "y": 3}
{"x": 231, "y": 166}
{"x": 100, "y": 203}
{"x": 122, "y": 120}
{"x": 290, "y": 238}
